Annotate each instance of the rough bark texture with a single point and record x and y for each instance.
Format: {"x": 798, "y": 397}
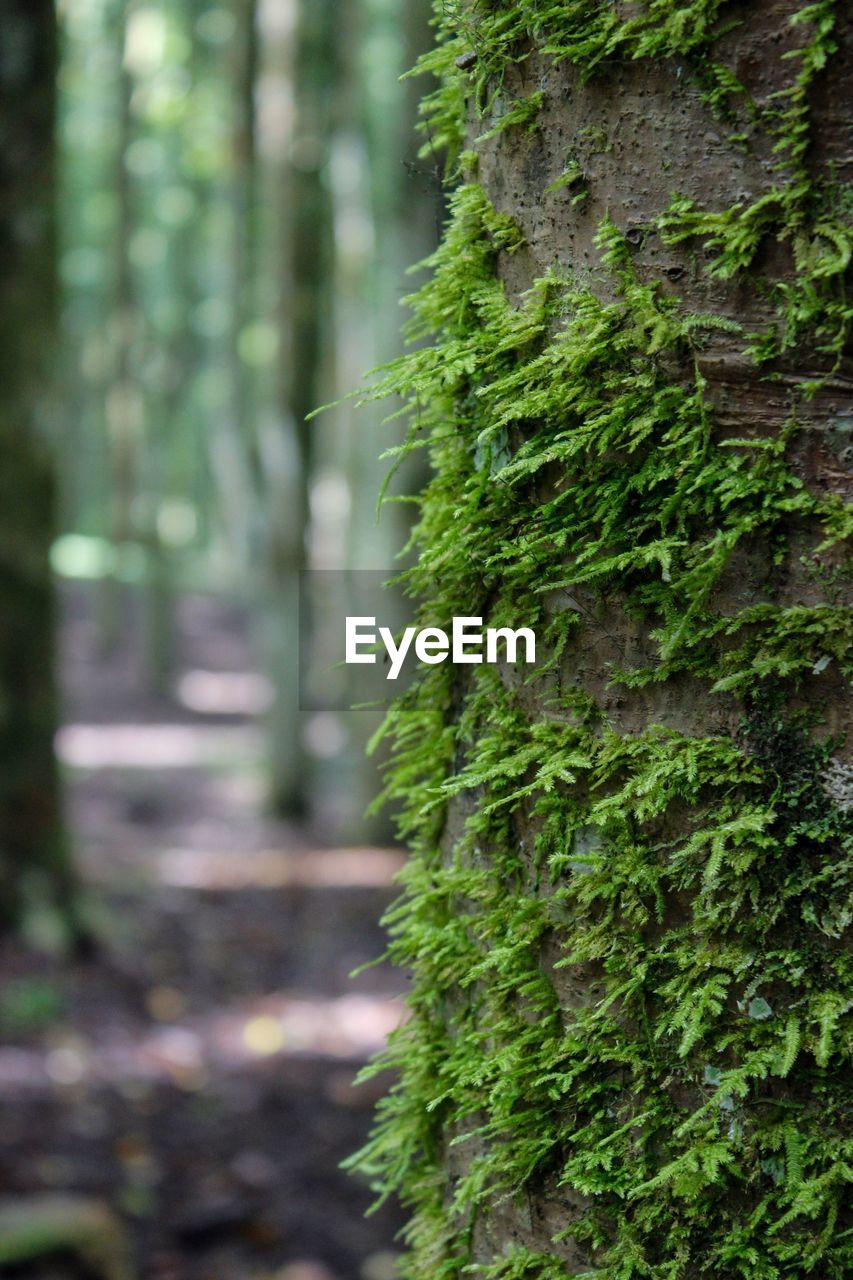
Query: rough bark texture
{"x": 33, "y": 858}
{"x": 623, "y": 910}
{"x": 641, "y": 133}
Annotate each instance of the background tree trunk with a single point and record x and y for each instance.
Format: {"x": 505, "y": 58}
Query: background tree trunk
{"x": 34, "y": 861}
{"x": 123, "y": 403}
{"x": 623, "y": 954}
{"x": 391, "y": 202}
{"x": 306, "y": 275}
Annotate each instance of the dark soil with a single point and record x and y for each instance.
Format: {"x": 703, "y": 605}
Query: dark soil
{"x": 195, "y": 1074}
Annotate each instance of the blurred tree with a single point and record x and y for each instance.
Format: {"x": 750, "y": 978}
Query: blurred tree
{"x": 237, "y": 218}
{"x": 307, "y": 275}
{"x": 124, "y": 410}
{"x": 401, "y": 200}
{"x": 35, "y": 865}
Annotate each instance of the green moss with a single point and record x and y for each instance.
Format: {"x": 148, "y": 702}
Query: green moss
{"x": 657, "y": 1102}
{"x": 521, "y": 114}
{"x": 522, "y": 1264}
{"x": 798, "y": 208}
{"x": 477, "y": 41}
{"x": 572, "y": 176}
{"x": 690, "y": 1101}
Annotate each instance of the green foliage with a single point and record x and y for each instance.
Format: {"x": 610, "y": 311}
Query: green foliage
{"x": 29, "y": 1004}
{"x": 522, "y": 1264}
{"x": 41, "y": 1226}
{"x": 572, "y": 176}
{"x": 628, "y": 984}
{"x": 520, "y": 115}
{"x": 797, "y": 209}
{"x": 478, "y": 39}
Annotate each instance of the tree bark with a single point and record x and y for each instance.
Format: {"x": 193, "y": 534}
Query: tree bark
{"x": 613, "y": 939}
{"x": 397, "y": 201}
{"x": 305, "y": 318}
{"x": 123, "y": 400}
{"x": 34, "y": 860}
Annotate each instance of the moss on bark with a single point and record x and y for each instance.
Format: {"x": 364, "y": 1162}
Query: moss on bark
{"x": 625, "y": 912}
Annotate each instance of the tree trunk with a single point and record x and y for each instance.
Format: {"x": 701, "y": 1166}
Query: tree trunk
{"x": 123, "y": 401}
{"x": 34, "y": 862}
{"x": 398, "y": 203}
{"x": 307, "y": 268}
{"x": 231, "y": 446}
{"x": 624, "y": 910}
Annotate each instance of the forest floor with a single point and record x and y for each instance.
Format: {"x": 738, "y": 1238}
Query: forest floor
{"x": 193, "y": 1078}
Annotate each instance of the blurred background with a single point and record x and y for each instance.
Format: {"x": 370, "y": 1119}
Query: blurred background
{"x": 207, "y": 208}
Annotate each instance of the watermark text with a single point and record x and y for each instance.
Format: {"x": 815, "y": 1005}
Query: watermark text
{"x": 467, "y": 643}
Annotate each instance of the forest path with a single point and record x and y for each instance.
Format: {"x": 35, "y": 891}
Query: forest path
{"x": 196, "y": 1073}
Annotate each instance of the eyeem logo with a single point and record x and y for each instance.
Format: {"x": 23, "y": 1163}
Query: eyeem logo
{"x": 433, "y": 645}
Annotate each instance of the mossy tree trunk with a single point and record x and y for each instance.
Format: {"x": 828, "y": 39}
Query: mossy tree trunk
{"x": 625, "y": 910}
{"x": 34, "y": 864}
